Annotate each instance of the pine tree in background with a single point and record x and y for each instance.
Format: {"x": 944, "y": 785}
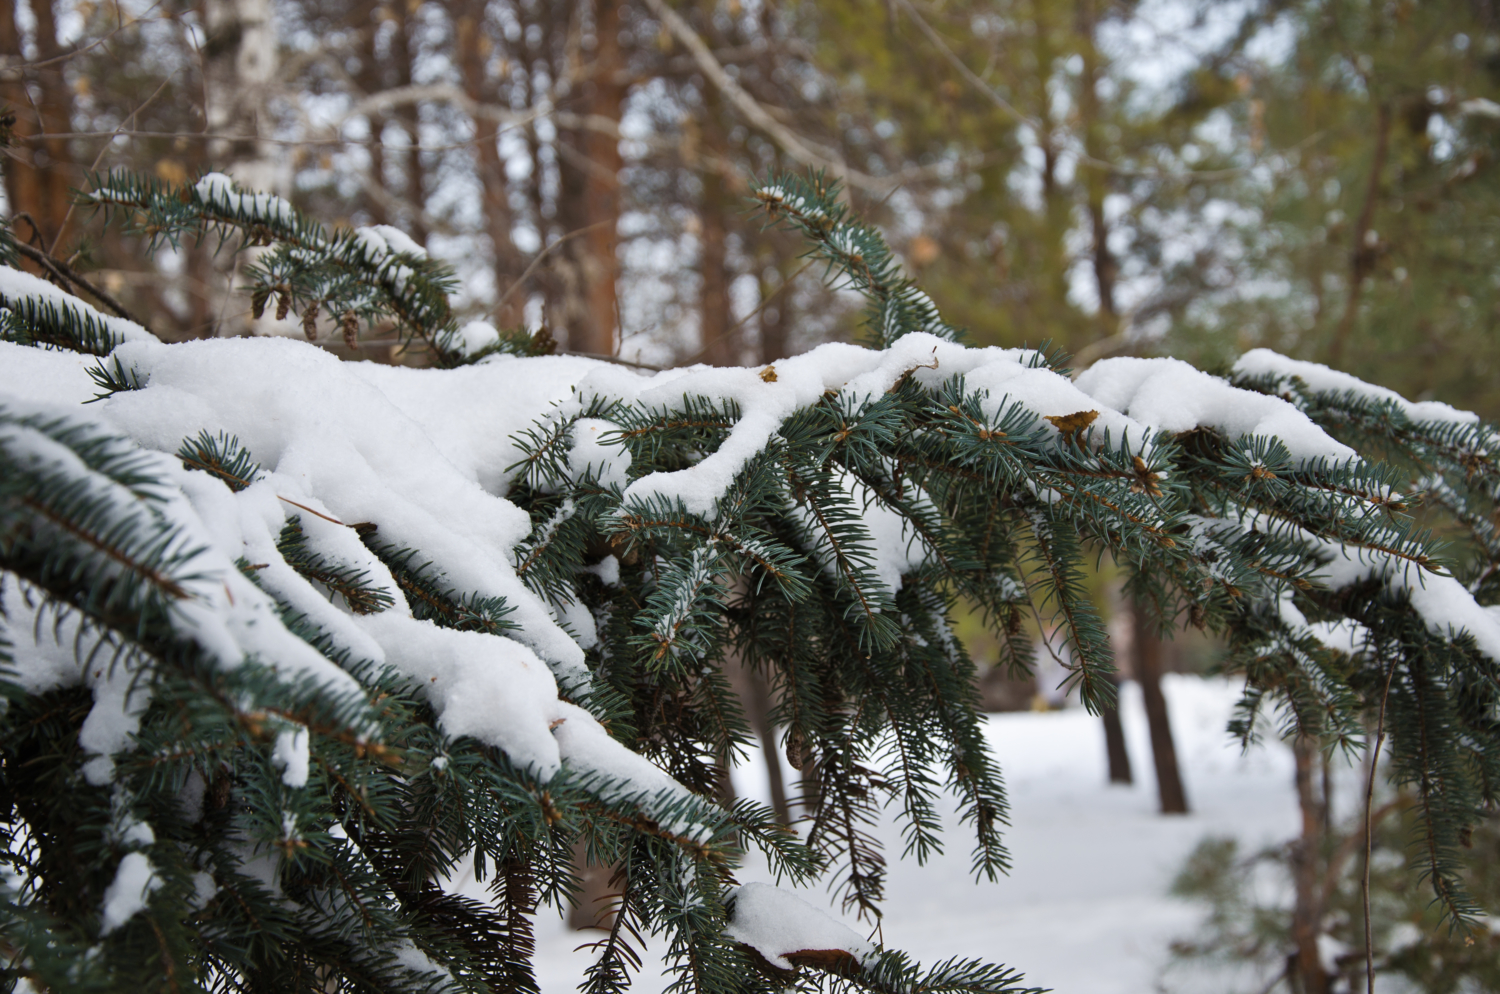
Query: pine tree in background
{"x": 288, "y": 641}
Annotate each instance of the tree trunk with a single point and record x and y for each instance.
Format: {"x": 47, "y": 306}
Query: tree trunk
{"x": 755, "y": 696}
{"x": 589, "y": 163}
{"x": 1362, "y": 255}
{"x": 760, "y": 719}
{"x": 371, "y": 79}
{"x": 1306, "y": 967}
{"x": 23, "y": 180}
{"x": 591, "y": 909}
{"x": 239, "y": 63}
{"x": 403, "y": 56}
{"x": 714, "y": 315}
{"x": 1114, "y": 741}
{"x": 602, "y": 187}
{"x": 1105, "y": 266}
{"x": 773, "y": 318}
{"x": 494, "y": 198}
{"x": 544, "y": 279}
{"x": 40, "y": 173}
{"x": 1146, "y": 652}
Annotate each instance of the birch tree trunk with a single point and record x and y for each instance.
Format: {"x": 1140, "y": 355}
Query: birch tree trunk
{"x": 239, "y": 65}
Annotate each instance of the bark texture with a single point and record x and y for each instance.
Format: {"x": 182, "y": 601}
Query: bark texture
{"x": 1305, "y": 967}
{"x": 40, "y": 171}
{"x": 1147, "y": 659}
{"x": 586, "y": 274}
{"x": 1114, "y": 743}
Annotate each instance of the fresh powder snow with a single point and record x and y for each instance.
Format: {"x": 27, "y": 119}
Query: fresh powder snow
{"x": 777, "y": 923}
{"x": 1170, "y": 395}
{"x": 1320, "y": 379}
{"x": 17, "y": 287}
{"x": 134, "y": 881}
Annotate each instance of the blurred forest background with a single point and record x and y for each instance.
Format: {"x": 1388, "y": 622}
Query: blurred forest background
{"x": 1169, "y": 177}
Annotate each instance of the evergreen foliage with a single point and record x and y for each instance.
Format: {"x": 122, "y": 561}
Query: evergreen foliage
{"x": 1247, "y": 931}
{"x": 249, "y": 745}
{"x": 352, "y": 276}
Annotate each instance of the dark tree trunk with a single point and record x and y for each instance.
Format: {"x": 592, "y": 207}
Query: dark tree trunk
{"x": 404, "y": 56}
{"x": 56, "y": 112}
{"x": 469, "y": 29}
{"x": 602, "y": 187}
{"x": 372, "y": 78}
{"x": 755, "y": 696}
{"x": 1094, "y": 180}
{"x": 718, "y": 340}
{"x": 718, "y": 347}
{"x": 1147, "y": 659}
{"x": 760, "y": 702}
{"x": 23, "y": 180}
{"x": 590, "y": 164}
{"x": 40, "y": 172}
{"x": 1305, "y": 967}
{"x": 1114, "y": 741}
{"x": 773, "y": 320}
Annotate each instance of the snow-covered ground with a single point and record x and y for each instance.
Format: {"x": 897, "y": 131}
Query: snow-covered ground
{"x": 1085, "y": 909}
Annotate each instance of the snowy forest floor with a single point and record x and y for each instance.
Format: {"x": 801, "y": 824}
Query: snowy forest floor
{"x": 1085, "y": 910}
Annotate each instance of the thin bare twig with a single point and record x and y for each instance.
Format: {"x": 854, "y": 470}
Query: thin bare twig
{"x": 69, "y": 275}
{"x": 537, "y": 260}
{"x": 614, "y": 359}
{"x": 57, "y": 239}
{"x": 1040, "y": 126}
{"x": 760, "y": 307}
{"x": 798, "y": 147}
{"x": 310, "y": 510}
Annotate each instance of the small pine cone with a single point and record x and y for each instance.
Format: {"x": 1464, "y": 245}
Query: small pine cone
{"x": 351, "y": 330}
{"x": 1013, "y": 622}
{"x": 258, "y": 303}
{"x": 310, "y": 321}
{"x": 542, "y": 342}
{"x": 798, "y": 751}
{"x": 283, "y": 303}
